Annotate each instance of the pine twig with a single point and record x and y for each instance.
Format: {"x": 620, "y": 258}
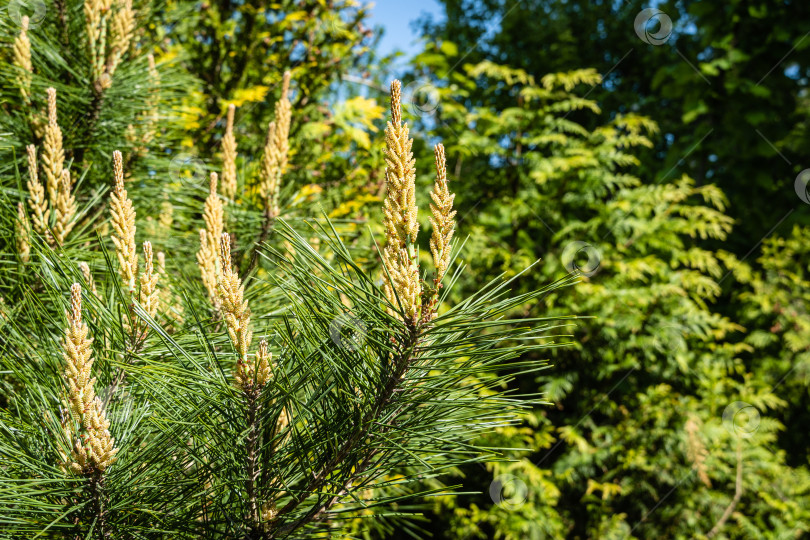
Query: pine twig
{"x": 97, "y": 494}
{"x": 252, "y": 456}
{"x": 401, "y": 364}
{"x": 738, "y": 492}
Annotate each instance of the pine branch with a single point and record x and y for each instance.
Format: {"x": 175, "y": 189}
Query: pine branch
{"x": 96, "y": 487}
{"x": 401, "y": 362}
{"x": 252, "y": 456}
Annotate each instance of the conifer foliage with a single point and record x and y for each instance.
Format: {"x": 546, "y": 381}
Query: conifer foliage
{"x": 237, "y": 303}
{"x": 282, "y": 386}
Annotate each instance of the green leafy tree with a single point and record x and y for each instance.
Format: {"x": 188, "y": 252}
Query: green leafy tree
{"x": 774, "y": 303}
{"x": 731, "y": 108}
{"x": 645, "y": 435}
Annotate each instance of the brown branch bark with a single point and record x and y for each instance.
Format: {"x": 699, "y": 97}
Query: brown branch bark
{"x": 738, "y": 491}
{"x": 252, "y": 458}
{"x": 98, "y": 508}
{"x": 401, "y": 364}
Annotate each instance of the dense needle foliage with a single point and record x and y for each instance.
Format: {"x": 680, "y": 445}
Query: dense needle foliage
{"x": 241, "y": 298}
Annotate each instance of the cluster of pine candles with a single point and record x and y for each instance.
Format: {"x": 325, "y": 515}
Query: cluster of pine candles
{"x": 51, "y": 212}
{"x": 293, "y": 432}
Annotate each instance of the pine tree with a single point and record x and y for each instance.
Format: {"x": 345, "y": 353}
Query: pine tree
{"x": 352, "y": 393}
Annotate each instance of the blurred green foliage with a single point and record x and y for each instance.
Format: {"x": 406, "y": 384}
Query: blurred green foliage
{"x": 727, "y": 82}
{"x": 663, "y": 395}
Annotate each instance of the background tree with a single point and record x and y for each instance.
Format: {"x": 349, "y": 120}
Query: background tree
{"x": 773, "y": 301}
{"x": 645, "y": 415}
{"x": 712, "y": 88}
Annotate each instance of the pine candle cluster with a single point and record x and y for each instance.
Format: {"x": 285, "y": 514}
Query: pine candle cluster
{"x": 229, "y": 157}
{"x": 110, "y": 31}
{"x": 122, "y": 216}
{"x": 273, "y": 165}
{"x": 85, "y": 423}
{"x": 53, "y": 155}
{"x": 237, "y": 318}
{"x": 149, "y": 293}
{"x": 22, "y": 59}
{"x": 400, "y": 214}
{"x": 208, "y": 258}
{"x": 442, "y": 217}
{"x": 276, "y": 149}
{"x": 108, "y": 39}
{"x": 36, "y": 193}
{"x": 403, "y": 287}
{"x": 52, "y": 204}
